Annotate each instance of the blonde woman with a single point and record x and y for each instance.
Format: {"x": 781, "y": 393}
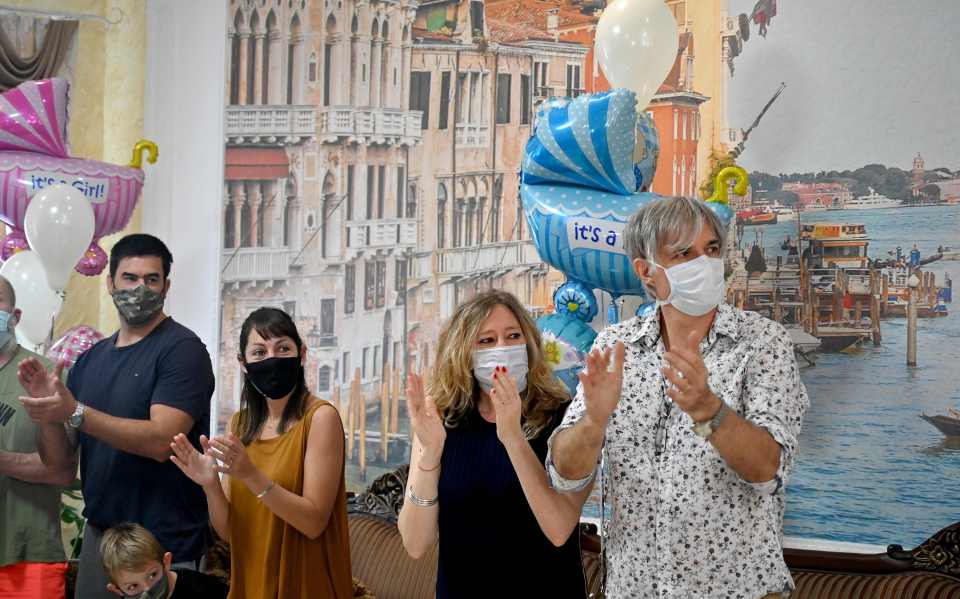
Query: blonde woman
{"x": 477, "y": 480}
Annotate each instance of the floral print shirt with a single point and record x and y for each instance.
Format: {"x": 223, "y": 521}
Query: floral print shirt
{"x": 683, "y": 523}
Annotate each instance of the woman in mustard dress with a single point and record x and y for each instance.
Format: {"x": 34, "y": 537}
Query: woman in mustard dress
{"x": 281, "y": 503}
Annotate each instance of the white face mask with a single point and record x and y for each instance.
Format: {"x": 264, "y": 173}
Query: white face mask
{"x": 697, "y": 286}
{"x": 513, "y": 357}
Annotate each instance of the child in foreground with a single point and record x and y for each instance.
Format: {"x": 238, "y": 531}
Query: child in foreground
{"x": 137, "y": 566}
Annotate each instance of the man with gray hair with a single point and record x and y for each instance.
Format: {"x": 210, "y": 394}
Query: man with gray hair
{"x": 32, "y": 562}
{"x": 697, "y": 408}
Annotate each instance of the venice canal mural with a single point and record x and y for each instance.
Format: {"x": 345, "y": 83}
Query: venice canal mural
{"x": 341, "y": 206}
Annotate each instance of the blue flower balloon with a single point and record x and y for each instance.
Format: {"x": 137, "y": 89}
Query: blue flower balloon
{"x": 575, "y": 299}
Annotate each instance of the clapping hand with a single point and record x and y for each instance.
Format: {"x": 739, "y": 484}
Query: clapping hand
{"x": 690, "y": 380}
{"x": 601, "y": 383}
{"x": 426, "y": 422}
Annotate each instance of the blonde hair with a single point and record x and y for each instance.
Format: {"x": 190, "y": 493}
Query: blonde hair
{"x": 453, "y": 385}
{"x": 128, "y": 547}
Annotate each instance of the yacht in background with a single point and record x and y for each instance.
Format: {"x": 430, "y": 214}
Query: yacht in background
{"x": 872, "y": 201}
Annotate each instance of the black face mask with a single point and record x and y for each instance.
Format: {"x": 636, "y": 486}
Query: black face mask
{"x": 275, "y": 378}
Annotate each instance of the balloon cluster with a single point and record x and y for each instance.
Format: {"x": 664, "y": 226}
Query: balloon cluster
{"x": 58, "y": 207}
{"x": 589, "y": 166}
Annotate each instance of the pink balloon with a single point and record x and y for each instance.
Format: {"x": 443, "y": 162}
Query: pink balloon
{"x": 15, "y": 242}
{"x": 93, "y": 262}
{"x": 33, "y": 117}
{"x": 33, "y": 155}
{"x": 73, "y": 343}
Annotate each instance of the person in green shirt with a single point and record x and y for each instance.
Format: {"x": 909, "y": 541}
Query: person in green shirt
{"x": 32, "y": 561}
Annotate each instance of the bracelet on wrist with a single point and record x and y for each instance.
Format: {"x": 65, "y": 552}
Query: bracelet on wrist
{"x": 419, "y": 500}
{"x": 270, "y": 487}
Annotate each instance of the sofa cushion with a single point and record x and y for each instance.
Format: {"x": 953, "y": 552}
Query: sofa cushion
{"x": 380, "y": 561}
{"x": 914, "y": 585}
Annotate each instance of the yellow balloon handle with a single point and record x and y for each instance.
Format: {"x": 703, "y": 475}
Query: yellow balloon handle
{"x": 144, "y": 145}
{"x": 724, "y": 177}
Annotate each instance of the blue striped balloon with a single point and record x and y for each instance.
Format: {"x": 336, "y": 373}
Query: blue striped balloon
{"x": 587, "y": 142}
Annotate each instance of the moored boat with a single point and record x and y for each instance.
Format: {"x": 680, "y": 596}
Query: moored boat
{"x": 947, "y": 425}
{"x": 757, "y": 216}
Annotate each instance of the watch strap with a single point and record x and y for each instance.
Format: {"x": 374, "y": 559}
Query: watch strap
{"x": 706, "y": 428}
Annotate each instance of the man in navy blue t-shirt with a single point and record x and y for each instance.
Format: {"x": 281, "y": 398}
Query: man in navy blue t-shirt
{"x": 127, "y": 397}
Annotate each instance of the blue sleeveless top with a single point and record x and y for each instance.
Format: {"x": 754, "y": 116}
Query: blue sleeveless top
{"x": 490, "y": 542}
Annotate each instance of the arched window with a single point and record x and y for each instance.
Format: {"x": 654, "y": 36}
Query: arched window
{"x": 235, "y": 41}
{"x": 293, "y": 58}
{"x": 288, "y": 213}
{"x": 412, "y": 200}
{"x": 441, "y": 216}
{"x": 268, "y": 42}
{"x": 252, "y": 50}
{"x": 326, "y": 207}
{"x": 386, "y": 68}
{"x": 328, "y": 66}
{"x": 374, "y": 59}
{"x": 683, "y": 176}
{"x": 459, "y": 207}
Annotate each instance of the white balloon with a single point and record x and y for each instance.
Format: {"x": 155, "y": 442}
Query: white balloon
{"x": 38, "y": 303}
{"x": 636, "y": 45}
{"x": 59, "y": 224}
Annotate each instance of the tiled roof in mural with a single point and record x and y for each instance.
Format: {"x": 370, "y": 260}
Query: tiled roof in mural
{"x": 508, "y": 32}
{"x": 532, "y": 14}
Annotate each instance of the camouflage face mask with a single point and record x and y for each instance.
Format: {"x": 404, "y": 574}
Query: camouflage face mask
{"x": 138, "y": 305}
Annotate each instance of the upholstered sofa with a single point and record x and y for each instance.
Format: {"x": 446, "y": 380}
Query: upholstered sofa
{"x": 930, "y": 571}
{"x": 382, "y": 569}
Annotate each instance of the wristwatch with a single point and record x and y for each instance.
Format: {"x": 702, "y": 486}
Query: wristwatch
{"x": 76, "y": 419}
{"x": 706, "y": 428}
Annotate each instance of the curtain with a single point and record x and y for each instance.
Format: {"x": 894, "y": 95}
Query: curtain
{"x": 15, "y": 69}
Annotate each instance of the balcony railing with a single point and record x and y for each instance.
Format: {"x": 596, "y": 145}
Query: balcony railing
{"x": 392, "y": 232}
{"x": 487, "y": 258}
{"x": 369, "y": 124}
{"x": 273, "y": 124}
{"x": 252, "y": 265}
{"x": 557, "y": 92}
{"x": 472, "y": 135}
